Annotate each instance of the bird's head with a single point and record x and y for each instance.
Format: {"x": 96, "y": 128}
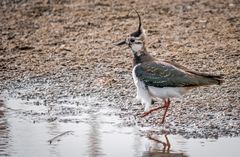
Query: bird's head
{"x": 136, "y": 39}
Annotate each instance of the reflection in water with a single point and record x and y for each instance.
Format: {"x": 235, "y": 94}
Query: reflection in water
{"x": 137, "y": 144}
{"x": 166, "y": 144}
{"x": 162, "y": 154}
{"x": 156, "y": 150}
{"x": 94, "y": 141}
{"x": 4, "y": 131}
{"x": 53, "y": 129}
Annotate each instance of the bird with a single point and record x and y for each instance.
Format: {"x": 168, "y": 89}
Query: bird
{"x": 157, "y": 79}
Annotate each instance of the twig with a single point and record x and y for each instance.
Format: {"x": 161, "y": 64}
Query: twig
{"x": 58, "y": 136}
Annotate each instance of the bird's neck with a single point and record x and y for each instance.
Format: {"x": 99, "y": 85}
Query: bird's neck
{"x": 142, "y": 56}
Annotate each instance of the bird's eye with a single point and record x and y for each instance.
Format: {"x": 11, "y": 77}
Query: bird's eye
{"x": 132, "y": 40}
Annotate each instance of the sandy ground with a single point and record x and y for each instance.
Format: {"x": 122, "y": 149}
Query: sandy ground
{"x": 58, "y": 49}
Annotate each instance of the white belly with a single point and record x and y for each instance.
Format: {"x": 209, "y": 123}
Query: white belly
{"x": 166, "y": 92}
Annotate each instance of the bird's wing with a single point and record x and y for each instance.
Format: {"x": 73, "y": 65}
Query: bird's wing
{"x": 165, "y": 74}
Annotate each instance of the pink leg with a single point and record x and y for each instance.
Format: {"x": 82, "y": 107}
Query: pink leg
{"x": 155, "y": 109}
{"x": 167, "y": 104}
{"x": 152, "y": 110}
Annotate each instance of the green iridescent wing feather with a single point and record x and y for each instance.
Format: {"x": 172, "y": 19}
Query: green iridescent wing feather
{"x": 164, "y": 74}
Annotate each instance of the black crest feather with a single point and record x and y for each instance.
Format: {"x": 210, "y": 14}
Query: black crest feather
{"x": 139, "y": 31}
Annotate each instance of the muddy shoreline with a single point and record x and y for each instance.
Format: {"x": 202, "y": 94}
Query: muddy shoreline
{"x": 62, "y": 50}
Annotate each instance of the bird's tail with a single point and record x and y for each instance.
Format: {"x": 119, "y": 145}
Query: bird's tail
{"x": 211, "y": 79}
{"x": 217, "y": 78}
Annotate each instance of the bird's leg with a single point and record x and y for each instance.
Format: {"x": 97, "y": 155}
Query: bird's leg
{"x": 154, "y": 109}
{"x": 166, "y": 105}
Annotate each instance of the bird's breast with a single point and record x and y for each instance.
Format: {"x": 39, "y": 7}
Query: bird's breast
{"x": 135, "y": 79}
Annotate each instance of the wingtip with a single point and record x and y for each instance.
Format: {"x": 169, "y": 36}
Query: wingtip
{"x": 219, "y": 79}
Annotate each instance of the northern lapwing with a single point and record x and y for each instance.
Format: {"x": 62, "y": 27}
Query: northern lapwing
{"x": 161, "y": 79}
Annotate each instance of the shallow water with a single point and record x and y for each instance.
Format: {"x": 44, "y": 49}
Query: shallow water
{"x": 32, "y": 129}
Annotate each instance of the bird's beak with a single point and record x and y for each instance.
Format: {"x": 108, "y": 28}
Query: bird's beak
{"x": 120, "y": 43}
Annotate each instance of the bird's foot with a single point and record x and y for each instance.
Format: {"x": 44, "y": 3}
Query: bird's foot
{"x": 160, "y": 121}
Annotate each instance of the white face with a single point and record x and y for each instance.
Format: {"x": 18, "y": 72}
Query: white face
{"x": 137, "y": 47}
{"x": 136, "y": 44}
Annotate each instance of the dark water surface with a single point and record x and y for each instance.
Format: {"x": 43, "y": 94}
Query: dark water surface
{"x": 29, "y": 129}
